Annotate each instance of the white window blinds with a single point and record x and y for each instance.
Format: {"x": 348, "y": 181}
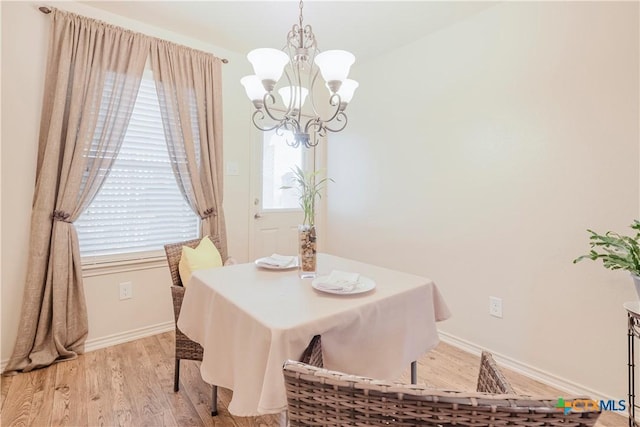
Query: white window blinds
{"x": 139, "y": 208}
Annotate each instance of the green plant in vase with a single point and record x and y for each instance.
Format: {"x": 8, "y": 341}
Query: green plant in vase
{"x": 617, "y": 252}
{"x": 309, "y": 186}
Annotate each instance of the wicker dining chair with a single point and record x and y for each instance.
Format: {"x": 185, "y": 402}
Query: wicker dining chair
{"x": 185, "y": 348}
{"x": 319, "y": 397}
{"x": 312, "y": 355}
{"x": 490, "y": 378}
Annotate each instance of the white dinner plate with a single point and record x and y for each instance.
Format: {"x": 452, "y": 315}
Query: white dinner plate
{"x": 260, "y": 263}
{"x": 364, "y": 285}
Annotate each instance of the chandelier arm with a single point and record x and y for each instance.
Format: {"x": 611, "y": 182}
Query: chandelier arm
{"x": 313, "y": 139}
{"x": 336, "y": 113}
{"x": 297, "y": 137}
{"x": 340, "y": 117}
{"x": 291, "y": 124}
{"x": 255, "y": 119}
{"x": 291, "y": 38}
{"x": 289, "y": 108}
{"x": 293, "y": 144}
{"x": 312, "y": 142}
{"x": 314, "y": 123}
{"x": 267, "y": 110}
{"x": 312, "y": 83}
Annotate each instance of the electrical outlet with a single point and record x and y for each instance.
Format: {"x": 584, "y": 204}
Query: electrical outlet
{"x": 126, "y": 290}
{"x": 495, "y": 307}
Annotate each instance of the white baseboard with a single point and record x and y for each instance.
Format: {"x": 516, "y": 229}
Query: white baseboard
{"x": 132, "y": 335}
{"x": 119, "y": 338}
{"x": 552, "y": 380}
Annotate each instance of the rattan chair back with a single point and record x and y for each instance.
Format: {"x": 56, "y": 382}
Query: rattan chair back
{"x": 312, "y": 355}
{"x": 490, "y": 378}
{"x": 319, "y": 397}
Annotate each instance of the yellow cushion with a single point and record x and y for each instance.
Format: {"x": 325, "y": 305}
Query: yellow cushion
{"x": 205, "y": 255}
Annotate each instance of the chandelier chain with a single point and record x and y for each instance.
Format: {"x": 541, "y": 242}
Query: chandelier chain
{"x": 300, "y": 6}
{"x": 301, "y": 29}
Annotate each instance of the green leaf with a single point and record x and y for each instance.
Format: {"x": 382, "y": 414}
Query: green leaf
{"x": 617, "y": 252}
{"x": 309, "y": 187}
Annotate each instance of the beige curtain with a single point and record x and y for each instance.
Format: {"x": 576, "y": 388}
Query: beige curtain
{"x": 92, "y": 79}
{"x": 189, "y": 86}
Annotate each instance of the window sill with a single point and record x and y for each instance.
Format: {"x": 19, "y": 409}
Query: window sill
{"x": 92, "y": 269}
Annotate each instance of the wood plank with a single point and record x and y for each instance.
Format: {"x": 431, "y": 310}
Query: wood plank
{"x": 167, "y": 345}
{"x": 17, "y": 405}
{"x": 147, "y": 409}
{"x": 123, "y": 412}
{"x": 261, "y": 421}
{"x": 199, "y": 392}
{"x": 5, "y": 383}
{"x": 70, "y": 394}
{"x": 43, "y": 396}
{"x": 224, "y": 398}
{"x": 99, "y": 394}
{"x": 153, "y": 384}
{"x": 183, "y": 411}
{"x": 612, "y": 419}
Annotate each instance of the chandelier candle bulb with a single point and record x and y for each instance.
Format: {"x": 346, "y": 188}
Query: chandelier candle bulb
{"x": 301, "y": 62}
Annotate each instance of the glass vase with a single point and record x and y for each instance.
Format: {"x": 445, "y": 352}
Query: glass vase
{"x": 307, "y": 251}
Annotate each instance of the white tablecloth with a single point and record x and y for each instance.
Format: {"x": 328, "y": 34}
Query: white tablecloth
{"x": 251, "y": 320}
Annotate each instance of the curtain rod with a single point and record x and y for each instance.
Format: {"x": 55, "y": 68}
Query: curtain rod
{"x": 47, "y": 10}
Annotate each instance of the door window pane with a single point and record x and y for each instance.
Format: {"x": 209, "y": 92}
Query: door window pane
{"x": 278, "y": 160}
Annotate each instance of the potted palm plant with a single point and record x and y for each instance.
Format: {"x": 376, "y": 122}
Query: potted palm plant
{"x": 617, "y": 252}
{"x": 309, "y": 186}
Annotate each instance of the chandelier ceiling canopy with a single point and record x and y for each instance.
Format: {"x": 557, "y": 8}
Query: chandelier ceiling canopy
{"x": 300, "y": 62}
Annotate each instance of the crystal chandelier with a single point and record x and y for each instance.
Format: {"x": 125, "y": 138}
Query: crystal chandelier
{"x": 300, "y": 61}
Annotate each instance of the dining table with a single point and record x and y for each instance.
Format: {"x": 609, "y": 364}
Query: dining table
{"x": 250, "y": 320}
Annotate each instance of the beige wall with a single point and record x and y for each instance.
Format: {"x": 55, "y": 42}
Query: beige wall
{"x": 24, "y": 50}
{"x": 479, "y": 155}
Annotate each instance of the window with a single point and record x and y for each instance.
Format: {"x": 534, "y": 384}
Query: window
{"x": 278, "y": 160}
{"x": 139, "y": 208}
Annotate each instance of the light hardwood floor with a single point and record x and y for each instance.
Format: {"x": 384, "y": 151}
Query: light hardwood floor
{"x": 132, "y": 385}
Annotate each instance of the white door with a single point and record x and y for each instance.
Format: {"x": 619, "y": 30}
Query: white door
{"x": 276, "y": 212}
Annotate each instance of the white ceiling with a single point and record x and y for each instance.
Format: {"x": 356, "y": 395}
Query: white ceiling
{"x": 366, "y": 28}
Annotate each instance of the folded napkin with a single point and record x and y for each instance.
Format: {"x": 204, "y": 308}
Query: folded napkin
{"x": 340, "y": 281}
{"x": 277, "y": 260}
